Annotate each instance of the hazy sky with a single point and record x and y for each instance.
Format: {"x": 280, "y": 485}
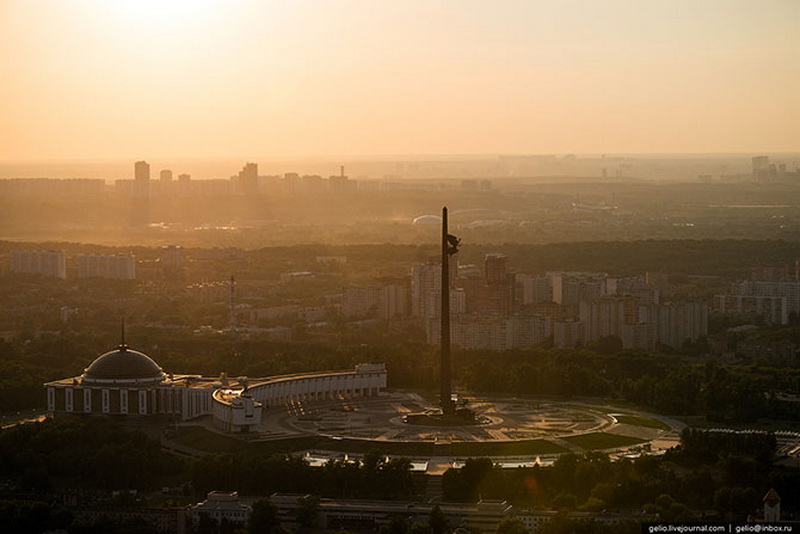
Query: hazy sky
{"x": 203, "y": 78}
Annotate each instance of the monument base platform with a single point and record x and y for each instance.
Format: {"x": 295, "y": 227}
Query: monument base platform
{"x": 461, "y": 417}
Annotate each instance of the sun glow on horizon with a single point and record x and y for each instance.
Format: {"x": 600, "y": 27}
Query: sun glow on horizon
{"x": 193, "y": 78}
{"x": 164, "y": 12}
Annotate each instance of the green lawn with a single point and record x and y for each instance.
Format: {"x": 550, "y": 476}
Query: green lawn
{"x": 639, "y": 420}
{"x": 388, "y": 447}
{"x": 470, "y": 449}
{"x": 508, "y": 448}
{"x": 204, "y": 440}
{"x": 699, "y": 421}
{"x": 599, "y": 440}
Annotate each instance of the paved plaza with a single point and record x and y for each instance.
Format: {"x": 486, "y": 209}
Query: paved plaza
{"x": 381, "y": 419}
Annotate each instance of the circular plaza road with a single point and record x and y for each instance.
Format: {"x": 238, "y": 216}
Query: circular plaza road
{"x": 568, "y": 426}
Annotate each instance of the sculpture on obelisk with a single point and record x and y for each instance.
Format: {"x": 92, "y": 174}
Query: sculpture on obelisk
{"x": 449, "y": 247}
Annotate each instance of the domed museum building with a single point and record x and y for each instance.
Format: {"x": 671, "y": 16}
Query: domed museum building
{"x": 126, "y": 382}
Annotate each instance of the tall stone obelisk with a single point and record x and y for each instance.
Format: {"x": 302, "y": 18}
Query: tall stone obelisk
{"x": 449, "y": 246}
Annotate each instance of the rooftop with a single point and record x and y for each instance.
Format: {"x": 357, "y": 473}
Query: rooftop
{"x": 123, "y": 363}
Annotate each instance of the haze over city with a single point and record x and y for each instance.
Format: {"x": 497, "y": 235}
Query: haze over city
{"x": 204, "y": 78}
{"x": 443, "y": 267}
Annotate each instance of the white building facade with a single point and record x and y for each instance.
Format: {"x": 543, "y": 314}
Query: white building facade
{"x": 127, "y": 382}
{"x": 111, "y": 266}
{"x": 50, "y": 263}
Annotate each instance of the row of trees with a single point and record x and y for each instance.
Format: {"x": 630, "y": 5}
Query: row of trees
{"x": 676, "y": 488}
{"x": 101, "y": 453}
{"x": 374, "y": 477}
{"x": 665, "y": 383}
{"x": 725, "y": 472}
{"x": 83, "y": 452}
{"x": 264, "y": 518}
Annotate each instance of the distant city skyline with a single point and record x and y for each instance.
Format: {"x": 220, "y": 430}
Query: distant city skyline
{"x": 188, "y": 79}
{"x": 645, "y": 166}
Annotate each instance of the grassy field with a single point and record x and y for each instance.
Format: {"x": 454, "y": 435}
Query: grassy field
{"x": 700, "y": 421}
{"x": 388, "y": 447}
{"x": 205, "y": 441}
{"x": 599, "y": 440}
{"x": 513, "y": 448}
{"x": 639, "y": 420}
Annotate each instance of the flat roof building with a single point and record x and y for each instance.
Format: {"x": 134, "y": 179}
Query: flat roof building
{"x": 128, "y": 382}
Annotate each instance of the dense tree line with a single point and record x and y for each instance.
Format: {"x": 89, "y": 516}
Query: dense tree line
{"x": 373, "y": 477}
{"x": 591, "y": 481}
{"x": 564, "y": 525}
{"x": 83, "y": 452}
{"x": 704, "y": 445}
{"x": 723, "y": 473}
{"x": 31, "y": 516}
{"x": 670, "y": 382}
{"x": 666, "y": 383}
{"x": 743, "y": 463}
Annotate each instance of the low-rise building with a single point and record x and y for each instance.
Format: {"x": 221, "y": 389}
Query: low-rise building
{"x": 221, "y": 507}
{"x": 128, "y": 382}
{"x": 369, "y": 515}
{"x": 167, "y": 520}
